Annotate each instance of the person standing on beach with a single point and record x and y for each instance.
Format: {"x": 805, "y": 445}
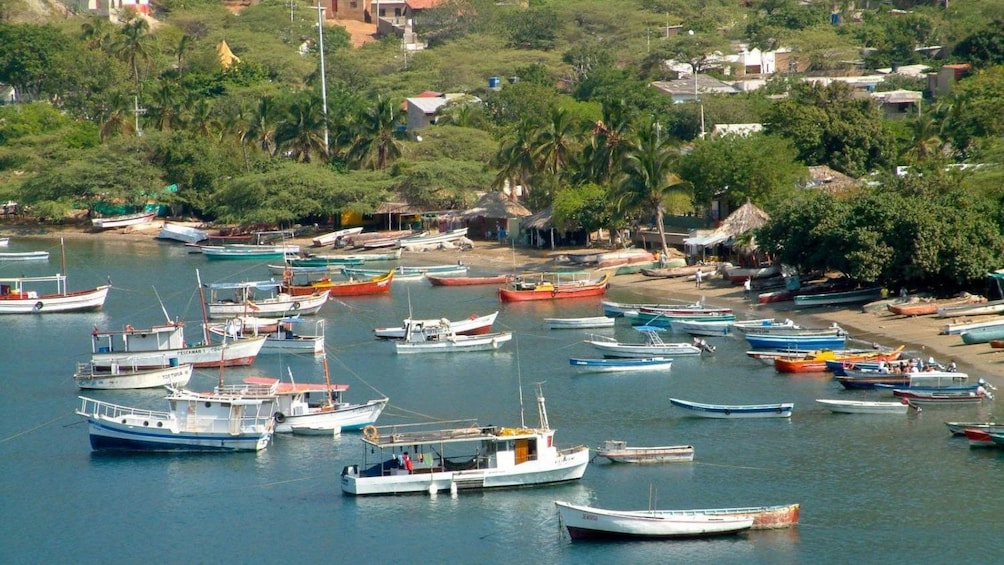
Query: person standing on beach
{"x": 747, "y": 287}
{"x": 698, "y": 278}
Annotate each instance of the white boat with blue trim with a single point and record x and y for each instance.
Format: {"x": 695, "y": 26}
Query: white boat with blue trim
{"x": 778, "y": 410}
{"x": 622, "y": 364}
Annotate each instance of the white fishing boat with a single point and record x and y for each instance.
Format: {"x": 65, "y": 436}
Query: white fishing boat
{"x": 281, "y": 335}
{"x": 618, "y": 451}
{"x": 474, "y": 325}
{"x": 165, "y": 345}
{"x": 439, "y": 338}
{"x": 24, "y": 256}
{"x": 183, "y": 233}
{"x": 331, "y": 238}
{"x": 228, "y": 419}
{"x": 431, "y": 238}
{"x": 619, "y": 364}
{"x": 863, "y": 406}
{"x": 4, "y": 241}
{"x": 249, "y": 251}
{"x": 971, "y": 309}
{"x": 261, "y": 299}
{"x": 122, "y": 221}
{"x": 461, "y": 455}
{"x": 708, "y": 328}
{"x": 15, "y": 298}
{"x": 587, "y": 522}
{"x": 776, "y": 410}
{"x": 119, "y": 377}
{"x": 579, "y": 323}
{"x": 653, "y": 346}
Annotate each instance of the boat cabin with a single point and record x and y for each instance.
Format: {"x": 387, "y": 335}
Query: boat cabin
{"x": 157, "y": 338}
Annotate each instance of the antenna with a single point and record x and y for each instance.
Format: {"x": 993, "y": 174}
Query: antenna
{"x": 205, "y": 314}
{"x": 162, "y": 308}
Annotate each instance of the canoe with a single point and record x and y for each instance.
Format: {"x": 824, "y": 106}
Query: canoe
{"x": 961, "y": 328}
{"x": 839, "y": 297}
{"x": 405, "y": 272}
{"x": 739, "y": 275}
{"x": 983, "y": 335}
{"x": 432, "y": 238}
{"x": 710, "y": 328}
{"x": 442, "y": 280}
{"x": 122, "y": 221}
{"x": 585, "y": 522}
{"x": 926, "y": 397}
{"x": 863, "y": 406}
{"x": 579, "y": 323}
{"x": 621, "y": 364}
{"x": 976, "y": 309}
{"x": 721, "y": 411}
{"x": 796, "y": 342}
{"x": 24, "y": 256}
{"x": 927, "y": 307}
{"x": 618, "y": 452}
{"x": 331, "y": 238}
{"x": 957, "y": 428}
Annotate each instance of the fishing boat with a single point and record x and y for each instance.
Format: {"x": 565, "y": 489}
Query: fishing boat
{"x": 678, "y": 272}
{"x": 473, "y": 325}
{"x": 958, "y": 428}
{"x": 817, "y": 363}
{"x": 667, "y": 317}
{"x": 863, "y": 406}
{"x": 220, "y": 421}
{"x": 747, "y": 325}
{"x": 587, "y": 522}
{"x": 341, "y": 260}
{"x": 122, "y": 377}
{"x": 182, "y": 233}
{"x": 839, "y": 297}
{"x": 439, "y": 338}
{"x": 653, "y": 346}
{"x": 837, "y": 340}
{"x": 332, "y": 238}
{"x": 404, "y": 272}
{"x": 122, "y": 221}
{"x": 925, "y": 398}
{"x": 443, "y": 280}
{"x": 380, "y": 284}
{"x": 579, "y": 323}
{"x": 15, "y": 298}
{"x": 985, "y": 334}
{"x": 165, "y": 345}
{"x": 432, "y": 238}
{"x": 870, "y": 379}
{"x": 622, "y": 364}
{"x": 259, "y": 298}
{"x": 462, "y": 455}
{"x": 778, "y": 410}
{"x": 939, "y": 381}
{"x": 709, "y": 328}
{"x": 927, "y": 307}
{"x": 959, "y": 328}
{"x": 739, "y": 275}
{"x": 553, "y": 287}
{"x": 971, "y": 309}
{"x": 613, "y": 309}
{"x": 24, "y": 256}
{"x": 281, "y": 334}
{"x": 618, "y": 452}
{"x": 980, "y": 438}
{"x": 239, "y": 251}
{"x": 378, "y": 240}
{"x": 324, "y": 413}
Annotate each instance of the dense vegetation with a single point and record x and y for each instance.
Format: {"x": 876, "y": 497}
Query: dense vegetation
{"x": 578, "y": 127}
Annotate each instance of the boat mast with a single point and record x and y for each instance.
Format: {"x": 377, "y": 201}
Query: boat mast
{"x": 327, "y": 382}
{"x": 62, "y": 267}
{"x": 541, "y": 410}
{"x": 205, "y": 314}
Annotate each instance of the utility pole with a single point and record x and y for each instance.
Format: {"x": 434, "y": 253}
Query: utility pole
{"x": 324, "y": 78}
{"x": 137, "y": 111}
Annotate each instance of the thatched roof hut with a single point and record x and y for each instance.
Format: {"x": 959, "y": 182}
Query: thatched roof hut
{"x": 743, "y": 220}
{"x": 494, "y": 205}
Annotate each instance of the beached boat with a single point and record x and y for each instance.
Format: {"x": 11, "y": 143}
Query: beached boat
{"x": 404, "y": 272}
{"x": 165, "y": 345}
{"x": 443, "y": 280}
{"x": 522, "y": 289}
{"x": 15, "y": 298}
{"x": 439, "y": 338}
{"x": 928, "y": 306}
{"x": 261, "y": 299}
{"x": 837, "y": 340}
{"x": 238, "y": 251}
{"x": 863, "y": 406}
{"x": 462, "y": 456}
{"x": 332, "y": 238}
{"x": 739, "y": 275}
{"x": 618, "y": 452}
{"x": 635, "y": 268}
{"x": 432, "y": 238}
{"x": 678, "y": 272}
{"x": 778, "y": 410}
{"x": 223, "y": 420}
{"x": 621, "y": 257}
{"x": 579, "y": 323}
{"x": 378, "y": 240}
{"x": 473, "y": 325}
{"x": 281, "y": 335}
{"x": 622, "y": 364}
{"x": 838, "y": 297}
{"x": 985, "y": 334}
{"x": 4, "y": 241}
{"x": 966, "y": 325}
{"x": 122, "y": 377}
{"x": 317, "y": 408}
{"x": 653, "y": 346}
{"x": 587, "y": 522}
{"x": 374, "y": 285}
{"x": 182, "y": 233}
{"x": 24, "y": 256}
{"x": 122, "y": 221}
{"x": 971, "y": 309}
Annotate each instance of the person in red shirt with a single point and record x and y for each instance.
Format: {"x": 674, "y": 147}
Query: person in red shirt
{"x": 407, "y": 462}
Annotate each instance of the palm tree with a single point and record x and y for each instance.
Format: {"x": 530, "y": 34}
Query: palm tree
{"x": 133, "y": 45}
{"x": 263, "y": 125}
{"x": 515, "y": 159}
{"x": 604, "y": 151}
{"x": 926, "y": 137}
{"x": 301, "y": 133}
{"x": 182, "y": 49}
{"x": 557, "y": 143}
{"x": 96, "y": 32}
{"x": 375, "y": 144}
{"x": 167, "y": 106}
{"x": 202, "y": 117}
{"x": 116, "y": 115}
{"x": 649, "y": 178}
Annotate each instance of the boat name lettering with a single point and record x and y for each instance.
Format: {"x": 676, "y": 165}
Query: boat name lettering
{"x": 589, "y": 517}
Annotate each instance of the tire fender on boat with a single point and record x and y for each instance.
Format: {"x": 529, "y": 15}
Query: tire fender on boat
{"x": 296, "y": 306}
{"x": 280, "y": 417}
{"x": 728, "y": 412}
{"x": 38, "y": 306}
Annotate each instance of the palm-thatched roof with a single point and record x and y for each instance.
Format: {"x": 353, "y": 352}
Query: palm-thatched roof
{"x": 494, "y": 205}
{"x": 744, "y": 219}
{"x": 539, "y": 220}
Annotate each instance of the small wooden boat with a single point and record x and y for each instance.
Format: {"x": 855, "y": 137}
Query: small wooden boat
{"x": 579, "y": 323}
{"x": 653, "y": 346}
{"x": 983, "y": 335}
{"x": 864, "y": 406}
{"x": 377, "y": 240}
{"x": 710, "y": 328}
{"x": 928, "y": 307}
{"x": 979, "y": 438}
{"x": 855, "y": 380}
{"x": 779, "y": 410}
{"x": 839, "y": 297}
{"x": 24, "y": 256}
{"x": 925, "y": 398}
{"x": 677, "y": 272}
{"x": 635, "y": 268}
{"x": 405, "y": 272}
{"x": 959, "y": 428}
{"x": 739, "y": 275}
{"x": 618, "y": 452}
{"x": 260, "y": 298}
{"x": 374, "y": 285}
{"x": 16, "y": 299}
{"x": 442, "y": 280}
{"x": 240, "y": 251}
{"x": 748, "y": 325}
{"x": 553, "y": 288}
{"x": 666, "y": 318}
{"x": 474, "y": 325}
{"x": 331, "y": 238}
{"x": 122, "y": 221}
{"x": 182, "y": 233}
{"x": 817, "y": 363}
{"x": 972, "y": 309}
{"x": 613, "y": 309}
{"x": 797, "y": 342}
{"x": 432, "y": 238}
{"x": 622, "y": 364}
{"x": 586, "y": 522}
{"x": 968, "y": 326}
{"x": 614, "y": 259}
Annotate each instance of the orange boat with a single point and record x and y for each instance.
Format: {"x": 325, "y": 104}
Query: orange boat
{"x": 440, "y": 280}
{"x": 375, "y": 285}
{"x": 929, "y": 307}
{"x": 816, "y": 362}
{"x": 521, "y": 290}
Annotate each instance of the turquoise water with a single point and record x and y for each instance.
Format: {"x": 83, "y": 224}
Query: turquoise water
{"x": 872, "y": 488}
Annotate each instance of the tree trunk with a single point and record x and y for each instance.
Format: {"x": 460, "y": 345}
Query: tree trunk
{"x": 662, "y": 230}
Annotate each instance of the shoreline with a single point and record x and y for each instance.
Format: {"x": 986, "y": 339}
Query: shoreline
{"x": 919, "y": 334}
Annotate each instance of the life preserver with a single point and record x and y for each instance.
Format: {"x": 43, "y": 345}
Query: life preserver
{"x": 371, "y": 433}
{"x": 778, "y": 410}
{"x": 280, "y": 417}
{"x": 296, "y": 306}
{"x": 38, "y": 306}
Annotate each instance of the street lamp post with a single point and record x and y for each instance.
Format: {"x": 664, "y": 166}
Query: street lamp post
{"x": 324, "y": 78}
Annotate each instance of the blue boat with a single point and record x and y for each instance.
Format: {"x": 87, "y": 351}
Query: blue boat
{"x": 779, "y": 410}
{"x": 623, "y": 364}
{"x": 800, "y": 342}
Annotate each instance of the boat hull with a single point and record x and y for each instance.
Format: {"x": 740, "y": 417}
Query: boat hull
{"x": 781, "y": 410}
{"x": 583, "y": 522}
{"x": 579, "y": 323}
{"x": 559, "y": 291}
{"x": 270, "y": 308}
{"x": 133, "y": 379}
{"x": 122, "y": 221}
{"x": 863, "y": 407}
{"x": 795, "y": 342}
{"x": 440, "y": 280}
{"x": 625, "y": 364}
{"x": 183, "y": 234}
{"x": 237, "y": 353}
{"x": 475, "y": 325}
{"x": 641, "y": 455}
{"x": 78, "y": 301}
{"x": 25, "y": 256}
{"x": 456, "y": 344}
{"x": 615, "y": 349}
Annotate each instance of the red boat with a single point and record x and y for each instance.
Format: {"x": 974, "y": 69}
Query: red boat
{"x": 438, "y": 280}
{"x": 817, "y": 363}
{"x": 375, "y": 285}
{"x": 522, "y": 290}
{"x": 979, "y": 438}
{"x": 927, "y": 308}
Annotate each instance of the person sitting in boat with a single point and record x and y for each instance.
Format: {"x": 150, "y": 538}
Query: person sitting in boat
{"x": 883, "y": 368}
{"x": 408, "y": 465}
{"x": 952, "y": 367}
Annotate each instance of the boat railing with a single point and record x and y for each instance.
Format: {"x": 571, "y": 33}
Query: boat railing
{"x": 246, "y": 390}
{"x": 425, "y": 432}
{"x": 101, "y": 409}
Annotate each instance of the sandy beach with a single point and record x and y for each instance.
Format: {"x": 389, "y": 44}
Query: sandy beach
{"x": 919, "y": 334}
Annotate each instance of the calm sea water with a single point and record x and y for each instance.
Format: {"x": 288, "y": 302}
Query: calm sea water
{"x": 872, "y": 488}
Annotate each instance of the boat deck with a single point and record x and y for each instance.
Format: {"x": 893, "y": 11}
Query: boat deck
{"x": 416, "y": 434}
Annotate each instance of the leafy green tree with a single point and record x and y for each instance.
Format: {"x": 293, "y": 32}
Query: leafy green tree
{"x": 557, "y": 143}
{"x": 281, "y": 195}
{"x": 609, "y": 140}
{"x": 523, "y": 101}
{"x": 977, "y": 109}
{"x": 533, "y": 28}
{"x": 516, "y": 160}
{"x": 28, "y": 57}
{"x": 984, "y": 47}
{"x": 301, "y": 133}
{"x": 134, "y": 46}
{"x": 586, "y": 206}
{"x": 376, "y": 141}
{"x": 444, "y": 183}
